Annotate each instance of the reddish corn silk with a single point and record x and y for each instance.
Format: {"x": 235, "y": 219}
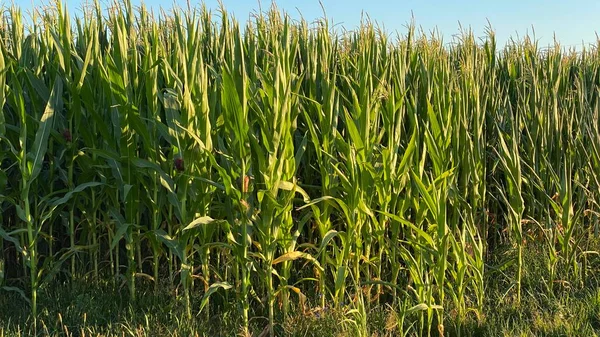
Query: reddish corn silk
{"x": 179, "y": 165}
{"x": 67, "y": 135}
{"x": 246, "y": 184}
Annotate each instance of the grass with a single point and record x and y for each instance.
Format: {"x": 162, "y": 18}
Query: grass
{"x": 92, "y": 309}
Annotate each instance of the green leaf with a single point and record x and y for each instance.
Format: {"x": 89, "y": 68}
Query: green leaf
{"x": 328, "y": 237}
{"x": 166, "y": 180}
{"x": 172, "y": 244}
{"x": 203, "y": 220}
{"x": 409, "y": 151}
{"x": 339, "y": 279}
{"x": 40, "y": 144}
{"x": 211, "y": 290}
{"x": 2, "y": 91}
{"x": 76, "y": 190}
{"x": 419, "y": 231}
{"x": 290, "y": 186}
{"x": 338, "y": 203}
{"x": 8, "y": 237}
{"x": 291, "y": 256}
{"x": 423, "y": 307}
{"x": 431, "y": 204}
{"x": 18, "y": 291}
{"x": 354, "y": 134}
{"x": 122, "y": 227}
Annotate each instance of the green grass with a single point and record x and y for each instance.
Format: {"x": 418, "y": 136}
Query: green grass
{"x": 93, "y": 309}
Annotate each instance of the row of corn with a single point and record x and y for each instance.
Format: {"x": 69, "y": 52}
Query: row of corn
{"x": 282, "y": 165}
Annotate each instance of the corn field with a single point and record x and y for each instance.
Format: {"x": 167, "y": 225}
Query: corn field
{"x": 280, "y": 165}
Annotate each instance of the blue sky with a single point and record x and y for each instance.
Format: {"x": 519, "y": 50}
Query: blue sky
{"x": 574, "y": 22}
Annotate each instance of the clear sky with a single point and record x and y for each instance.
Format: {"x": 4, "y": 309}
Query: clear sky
{"x": 572, "y": 21}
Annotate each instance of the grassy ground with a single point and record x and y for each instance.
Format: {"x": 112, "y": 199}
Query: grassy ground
{"x": 82, "y": 309}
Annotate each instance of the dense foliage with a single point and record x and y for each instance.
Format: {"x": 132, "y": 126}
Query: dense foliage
{"x": 288, "y": 166}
